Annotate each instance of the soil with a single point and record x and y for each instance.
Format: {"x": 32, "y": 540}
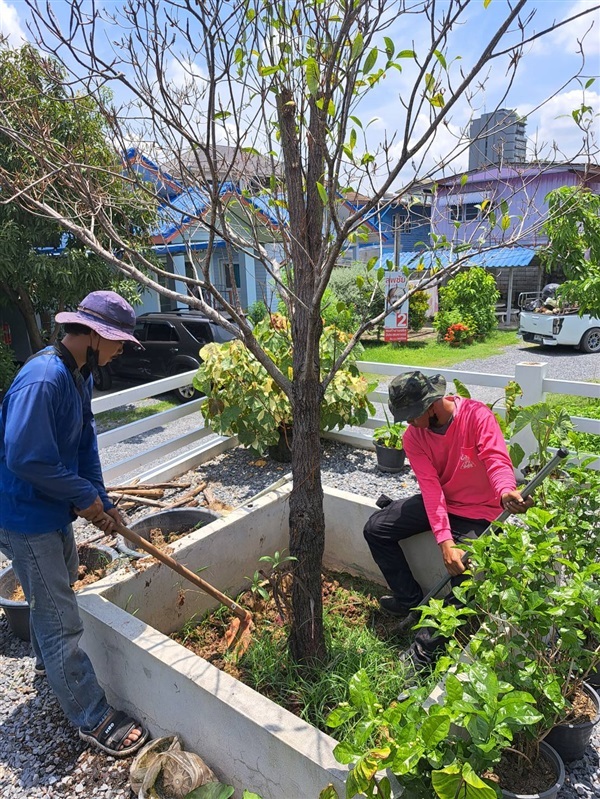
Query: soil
{"x": 161, "y": 540}
{"x": 86, "y": 574}
{"x": 582, "y": 709}
{"x": 352, "y": 599}
{"x": 516, "y": 774}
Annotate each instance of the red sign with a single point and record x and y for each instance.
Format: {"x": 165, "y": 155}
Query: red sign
{"x": 395, "y": 334}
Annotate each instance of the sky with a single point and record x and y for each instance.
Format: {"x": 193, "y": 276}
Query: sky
{"x": 543, "y": 76}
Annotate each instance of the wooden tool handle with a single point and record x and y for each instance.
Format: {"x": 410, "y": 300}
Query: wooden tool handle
{"x": 140, "y": 542}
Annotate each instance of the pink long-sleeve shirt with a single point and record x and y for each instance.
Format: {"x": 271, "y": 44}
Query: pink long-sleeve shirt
{"x": 465, "y": 471}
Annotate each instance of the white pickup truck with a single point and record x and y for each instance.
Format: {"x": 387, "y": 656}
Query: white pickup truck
{"x": 542, "y": 322}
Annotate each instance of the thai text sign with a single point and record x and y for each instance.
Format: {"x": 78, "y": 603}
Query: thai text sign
{"x": 396, "y": 320}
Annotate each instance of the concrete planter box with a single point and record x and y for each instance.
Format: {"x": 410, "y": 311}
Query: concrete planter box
{"x": 247, "y": 740}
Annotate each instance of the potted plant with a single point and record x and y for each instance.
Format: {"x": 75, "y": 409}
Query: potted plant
{"x": 388, "y": 446}
{"x": 242, "y": 399}
{"x": 12, "y": 599}
{"x": 537, "y": 609}
{"x": 449, "y": 749}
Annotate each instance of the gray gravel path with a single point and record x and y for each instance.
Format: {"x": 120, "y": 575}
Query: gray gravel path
{"x": 564, "y": 363}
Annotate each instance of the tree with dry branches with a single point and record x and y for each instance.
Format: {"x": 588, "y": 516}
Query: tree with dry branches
{"x": 217, "y": 89}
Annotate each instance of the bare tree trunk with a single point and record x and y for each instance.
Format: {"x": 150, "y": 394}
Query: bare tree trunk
{"x": 307, "y": 526}
{"x": 22, "y": 302}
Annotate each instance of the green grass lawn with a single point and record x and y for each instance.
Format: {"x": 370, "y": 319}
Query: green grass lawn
{"x": 430, "y": 353}
{"x": 118, "y": 417}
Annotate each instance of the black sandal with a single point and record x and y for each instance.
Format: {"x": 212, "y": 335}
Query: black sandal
{"x": 110, "y": 734}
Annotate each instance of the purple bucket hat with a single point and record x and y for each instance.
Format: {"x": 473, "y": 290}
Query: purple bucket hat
{"x": 107, "y": 313}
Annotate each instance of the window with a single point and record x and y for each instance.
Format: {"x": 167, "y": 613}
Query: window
{"x": 161, "y": 331}
{"x": 455, "y": 212}
{"x": 236, "y": 272}
{"x": 199, "y": 330}
{"x": 471, "y": 212}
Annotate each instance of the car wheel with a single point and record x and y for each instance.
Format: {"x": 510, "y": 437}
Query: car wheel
{"x": 187, "y": 393}
{"x": 590, "y": 341}
{"x": 102, "y": 378}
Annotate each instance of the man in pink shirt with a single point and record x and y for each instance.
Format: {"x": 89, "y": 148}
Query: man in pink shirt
{"x": 457, "y": 452}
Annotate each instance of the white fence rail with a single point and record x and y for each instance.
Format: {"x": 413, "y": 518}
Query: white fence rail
{"x": 186, "y": 451}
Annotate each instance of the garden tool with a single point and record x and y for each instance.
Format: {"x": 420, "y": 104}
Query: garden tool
{"x": 560, "y": 455}
{"x": 238, "y": 634}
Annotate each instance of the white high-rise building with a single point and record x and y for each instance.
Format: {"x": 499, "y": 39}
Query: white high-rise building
{"x": 497, "y": 138}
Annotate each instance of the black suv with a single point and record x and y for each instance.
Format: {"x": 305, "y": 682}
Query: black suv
{"x": 172, "y": 341}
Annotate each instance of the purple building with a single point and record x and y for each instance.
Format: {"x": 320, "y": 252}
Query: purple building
{"x": 470, "y": 208}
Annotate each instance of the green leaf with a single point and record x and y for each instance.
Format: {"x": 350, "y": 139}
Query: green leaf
{"x": 250, "y": 795}
{"x": 461, "y": 389}
{"x": 214, "y": 790}
{"x": 322, "y": 193}
{"x": 590, "y": 82}
{"x": 370, "y": 60}
{"x": 313, "y": 77}
{"x": 440, "y": 58}
{"x": 486, "y": 3}
{"x": 451, "y": 782}
{"x": 390, "y": 47}
{"x": 344, "y": 753}
{"x": 435, "y": 729}
{"x": 505, "y": 222}
{"x": 340, "y": 715}
{"x": 463, "y": 180}
{"x": 266, "y": 71}
{"x": 406, "y": 54}
{"x": 329, "y": 793}
{"x": 357, "y": 47}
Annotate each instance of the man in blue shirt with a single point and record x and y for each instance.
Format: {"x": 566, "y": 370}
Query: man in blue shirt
{"x": 49, "y": 474}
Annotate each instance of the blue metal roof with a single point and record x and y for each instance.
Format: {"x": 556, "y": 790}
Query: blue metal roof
{"x": 175, "y": 249}
{"x": 493, "y": 259}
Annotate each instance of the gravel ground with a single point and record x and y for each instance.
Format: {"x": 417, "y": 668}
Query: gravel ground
{"x": 41, "y": 755}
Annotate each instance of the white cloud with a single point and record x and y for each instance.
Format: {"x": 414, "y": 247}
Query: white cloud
{"x": 566, "y": 39}
{"x": 10, "y": 25}
{"x": 553, "y": 125}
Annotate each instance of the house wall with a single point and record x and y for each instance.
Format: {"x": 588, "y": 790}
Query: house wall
{"x": 525, "y": 195}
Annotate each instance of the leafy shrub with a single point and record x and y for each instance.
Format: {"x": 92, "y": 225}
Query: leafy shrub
{"x": 418, "y": 306}
{"x": 336, "y": 312}
{"x": 360, "y": 289}
{"x": 257, "y": 312}
{"x": 8, "y": 369}
{"x": 469, "y": 298}
{"x": 242, "y": 399}
{"x": 458, "y": 335}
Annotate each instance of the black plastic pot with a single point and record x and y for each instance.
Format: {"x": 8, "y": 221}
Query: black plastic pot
{"x": 389, "y": 459}
{"x": 593, "y": 678}
{"x": 554, "y": 790}
{"x": 282, "y": 451}
{"x": 175, "y": 520}
{"x": 17, "y": 613}
{"x": 571, "y": 740}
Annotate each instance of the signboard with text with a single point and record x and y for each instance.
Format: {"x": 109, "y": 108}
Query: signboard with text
{"x": 396, "y": 320}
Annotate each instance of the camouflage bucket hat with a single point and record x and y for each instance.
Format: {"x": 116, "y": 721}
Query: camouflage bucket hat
{"x": 412, "y": 393}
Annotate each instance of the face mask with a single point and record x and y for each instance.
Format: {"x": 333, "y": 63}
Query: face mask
{"x": 91, "y": 358}
{"x": 433, "y": 420}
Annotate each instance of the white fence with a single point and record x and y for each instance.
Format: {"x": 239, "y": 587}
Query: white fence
{"x": 183, "y": 452}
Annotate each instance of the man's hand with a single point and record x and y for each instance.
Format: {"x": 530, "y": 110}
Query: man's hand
{"x": 452, "y": 558}
{"x": 97, "y": 516}
{"x": 115, "y": 515}
{"x": 513, "y": 502}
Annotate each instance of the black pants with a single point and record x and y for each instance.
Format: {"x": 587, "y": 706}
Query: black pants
{"x": 396, "y": 522}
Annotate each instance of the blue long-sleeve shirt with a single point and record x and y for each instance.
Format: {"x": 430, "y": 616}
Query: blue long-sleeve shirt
{"x": 49, "y": 460}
